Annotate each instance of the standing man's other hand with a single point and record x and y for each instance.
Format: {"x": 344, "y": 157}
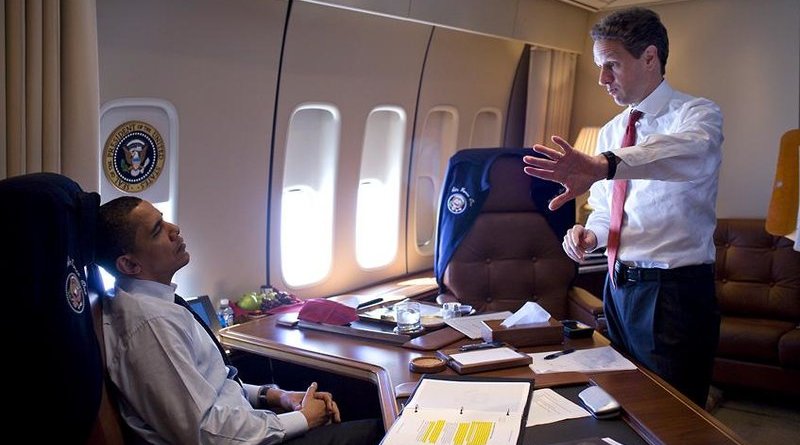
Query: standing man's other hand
{"x": 578, "y": 241}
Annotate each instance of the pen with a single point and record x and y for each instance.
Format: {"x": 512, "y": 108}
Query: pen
{"x": 369, "y": 303}
{"x": 477, "y": 346}
{"x": 558, "y": 354}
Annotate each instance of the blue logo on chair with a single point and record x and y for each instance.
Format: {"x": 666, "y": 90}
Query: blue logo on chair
{"x": 75, "y": 288}
{"x": 458, "y": 201}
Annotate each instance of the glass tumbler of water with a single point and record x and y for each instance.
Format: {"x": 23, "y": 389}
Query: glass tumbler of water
{"x": 451, "y": 310}
{"x": 407, "y": 314}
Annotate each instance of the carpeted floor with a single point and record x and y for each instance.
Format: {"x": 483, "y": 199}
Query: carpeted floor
{"x": 759, "y": 419}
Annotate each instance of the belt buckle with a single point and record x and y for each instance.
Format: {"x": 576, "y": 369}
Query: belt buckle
{"x": 633, "y": 274}
{"x": 620, "y": 273}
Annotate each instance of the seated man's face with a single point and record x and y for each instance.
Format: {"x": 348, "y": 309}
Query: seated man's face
{"x": 158, "y": 249}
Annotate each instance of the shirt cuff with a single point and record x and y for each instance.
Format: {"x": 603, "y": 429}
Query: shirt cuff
{"x": 251, "y": 393}
{"x": 601, "y": 234}
{"x": 294, "y": 424}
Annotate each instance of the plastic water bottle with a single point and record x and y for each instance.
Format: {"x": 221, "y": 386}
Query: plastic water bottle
{"x": 225, "y": 313}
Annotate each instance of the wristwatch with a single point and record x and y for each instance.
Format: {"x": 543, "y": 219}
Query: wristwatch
{"x": 262, "y": 394}
{"x": 612, "y": 164}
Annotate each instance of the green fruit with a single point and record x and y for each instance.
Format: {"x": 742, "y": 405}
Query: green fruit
{"x": 249, "y": 302}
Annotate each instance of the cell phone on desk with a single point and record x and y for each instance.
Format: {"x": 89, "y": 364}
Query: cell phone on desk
{"x": 576, "y": 329}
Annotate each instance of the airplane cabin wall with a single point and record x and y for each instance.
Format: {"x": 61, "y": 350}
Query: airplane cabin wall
{"x": 467, "y": 78}
{"x": 217, "y": 64}
{"x": 356, "y": 62}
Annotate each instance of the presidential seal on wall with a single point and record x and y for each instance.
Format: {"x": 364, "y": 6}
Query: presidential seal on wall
{"x": 133, "y": 156}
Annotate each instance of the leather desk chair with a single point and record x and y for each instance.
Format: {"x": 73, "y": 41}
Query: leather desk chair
{"x": 51, "y": 284}
{"x": 510, "y": 253}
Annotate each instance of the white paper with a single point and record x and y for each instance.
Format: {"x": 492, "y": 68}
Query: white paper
{"x": 529, "y": 313}
{"x": 485, "y": 355}
{"x": 600, "y": 359}
{"x": 471, "y": 326}
{"x": 549, "y": 406}
{"x": 488, "y": 412}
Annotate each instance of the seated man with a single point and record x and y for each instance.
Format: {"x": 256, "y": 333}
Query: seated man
{"x": 172, "y": 381}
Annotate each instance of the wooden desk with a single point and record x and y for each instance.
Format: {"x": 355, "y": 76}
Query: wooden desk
{"x": 657, "y": 412}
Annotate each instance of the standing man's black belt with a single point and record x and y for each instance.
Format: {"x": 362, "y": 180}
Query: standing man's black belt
{"x": 625, "y": 273}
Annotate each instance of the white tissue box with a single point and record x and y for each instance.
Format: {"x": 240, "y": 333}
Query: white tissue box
{"x": 534, "y": 334}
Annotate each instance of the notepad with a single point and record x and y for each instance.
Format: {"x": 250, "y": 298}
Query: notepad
{"x": 456, "y": 410}
{"x": 483, "y": 359}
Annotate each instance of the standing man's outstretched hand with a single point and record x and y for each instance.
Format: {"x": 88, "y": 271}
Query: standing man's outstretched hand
{"x": 572, "y": 169}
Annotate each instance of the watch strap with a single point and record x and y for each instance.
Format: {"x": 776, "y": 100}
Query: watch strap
{"x": 262, "y": 394}
{"x": 612, "y": 164}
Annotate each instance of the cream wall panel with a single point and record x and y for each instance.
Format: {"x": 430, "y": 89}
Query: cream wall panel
{"x": 356, "y": 62}
{"x": 217, "y": 63}
{"x": 747, "y": 59}
{"x": 493, "y": 17}
{"x": 551, "y": 23}
{"x": 397, "y": 8}
{"x": 468, "y": 72}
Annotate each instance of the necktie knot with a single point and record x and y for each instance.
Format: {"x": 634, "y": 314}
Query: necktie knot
{"x": 630, "y": 131}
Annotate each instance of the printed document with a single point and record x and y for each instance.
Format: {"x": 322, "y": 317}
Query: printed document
{"x": 471, "y": 326}
{"x": 460, "y": 412}
{"x": 549, "y": 406}
{"x": 604, "y": 358}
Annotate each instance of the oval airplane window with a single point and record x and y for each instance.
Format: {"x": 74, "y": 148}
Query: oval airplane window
{"x": 437, "y": 144}
{"x": 378, "y": 203}
{"x": 308, "y": 191}
{"x": 486, "y": 128}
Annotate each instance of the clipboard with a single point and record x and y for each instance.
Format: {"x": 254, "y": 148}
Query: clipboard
{"x": 466, "y": 362}
{"x": 451, "y": 405}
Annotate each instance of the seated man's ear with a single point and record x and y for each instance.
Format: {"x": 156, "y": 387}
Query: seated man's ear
{"x": 128, "y": 265}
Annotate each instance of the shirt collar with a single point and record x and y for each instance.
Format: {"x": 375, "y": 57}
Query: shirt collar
{"x": 146, "y": 287}
{"x": 656, "y": 100}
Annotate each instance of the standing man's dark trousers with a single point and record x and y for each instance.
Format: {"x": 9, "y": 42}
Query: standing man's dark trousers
{"x": 668, "y": 320}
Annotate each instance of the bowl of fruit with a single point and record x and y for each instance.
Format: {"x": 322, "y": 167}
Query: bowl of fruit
{"x": 267, "y": 301}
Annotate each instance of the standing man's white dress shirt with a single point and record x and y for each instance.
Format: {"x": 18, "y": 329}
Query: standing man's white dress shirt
{"x": 669, "y": 218}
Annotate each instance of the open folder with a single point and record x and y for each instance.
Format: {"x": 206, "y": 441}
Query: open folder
{"x": 463, "y": 410}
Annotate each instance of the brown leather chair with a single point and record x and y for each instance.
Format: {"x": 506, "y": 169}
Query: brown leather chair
{"x": 47, "y": 257}
{"x": 758, "y": 288}
{"x": 511, "y": 255}
{"x": 107, "y": 428}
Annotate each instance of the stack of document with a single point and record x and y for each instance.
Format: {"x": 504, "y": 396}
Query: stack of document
{"x": 583, "y": 360}
{"x": 454, "y": 411}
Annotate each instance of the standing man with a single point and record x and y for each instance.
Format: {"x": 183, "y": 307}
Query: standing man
{"x": 655, "y": 210}
{"x": 170, "y": 373}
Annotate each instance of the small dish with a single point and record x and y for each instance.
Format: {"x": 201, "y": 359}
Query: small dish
{"x": 427, "y": 364}
{"x": 431, "y": 321}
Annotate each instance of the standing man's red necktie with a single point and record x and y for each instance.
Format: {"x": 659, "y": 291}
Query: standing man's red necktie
{"x": 618, "y": 199}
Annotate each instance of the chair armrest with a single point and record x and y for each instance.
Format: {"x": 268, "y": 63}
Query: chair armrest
{"x": 585, "y": 300}
{"x": 585, "y": 307}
